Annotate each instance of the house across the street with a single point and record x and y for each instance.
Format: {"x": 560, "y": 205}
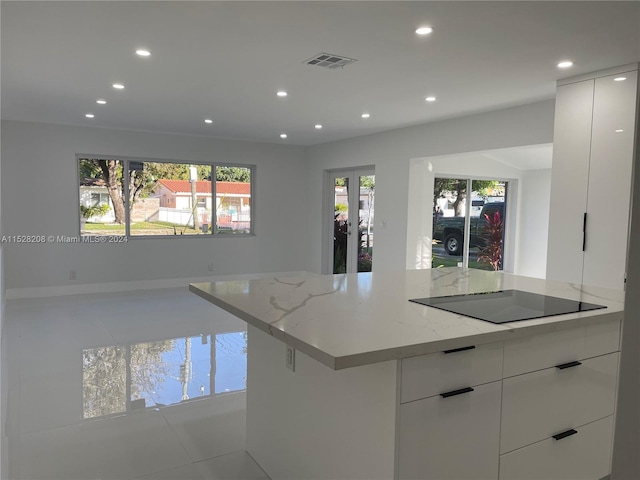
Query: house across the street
{"x": 232, "y": 202}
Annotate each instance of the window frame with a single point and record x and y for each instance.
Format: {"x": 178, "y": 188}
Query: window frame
{"x": 510, "y": 199}
{"x": 126, "y": 161}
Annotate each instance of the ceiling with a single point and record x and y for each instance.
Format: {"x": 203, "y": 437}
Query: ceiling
{"x": 529, "y": 157}
{"x": 226, "y": 60}
{"x": 525, "y": 157}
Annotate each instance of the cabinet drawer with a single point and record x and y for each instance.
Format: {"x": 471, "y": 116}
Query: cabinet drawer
{"x": 429, "y": 375}
{"x": 549, "y": 349}
{"x": 585, "y": 456}
{"x": 540, "y": 404}
{"x": 451, "y": 438}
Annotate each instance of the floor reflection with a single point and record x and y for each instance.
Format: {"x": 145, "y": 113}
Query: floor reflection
{"x": 120, "y": 378}
{"x": 126, "y": 386}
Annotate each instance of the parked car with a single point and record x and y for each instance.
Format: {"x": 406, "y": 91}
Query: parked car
{"x": 450, "y": 230}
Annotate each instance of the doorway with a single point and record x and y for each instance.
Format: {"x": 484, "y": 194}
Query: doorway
{"x": 468, "y": 229}
{"x": 350, "y": 198}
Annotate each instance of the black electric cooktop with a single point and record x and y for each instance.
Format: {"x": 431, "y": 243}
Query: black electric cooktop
{"x": 506, "y": 305}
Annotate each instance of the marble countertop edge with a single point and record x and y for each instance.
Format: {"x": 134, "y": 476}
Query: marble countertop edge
{"x": 335, "y": 357}
{"x": 310, "y": 350}
{"x": 436, "y": 346}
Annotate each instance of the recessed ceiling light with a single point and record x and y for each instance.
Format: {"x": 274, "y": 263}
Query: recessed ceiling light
{"x": 619, "y": 79}
{"x": 619, "y": 130}
{"x": 89, "y": 115}
{"x": 283, "y": 135}
{"x": 118, "y": 86}
{"x": 365, "y": 115}
{"x": 430, "y": 99}
{"x": 142, "y": 52}
{"x": 101, "y": 101}
{"x": 565, "y": 64}
{"x": 208, "y": 120}
{"x": 424, "y": 30}
{"x": 318, "y": 127}
{"x": 281, "y": 93}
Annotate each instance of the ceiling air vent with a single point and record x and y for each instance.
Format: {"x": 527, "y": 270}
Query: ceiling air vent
{"x": 329, "y": 60}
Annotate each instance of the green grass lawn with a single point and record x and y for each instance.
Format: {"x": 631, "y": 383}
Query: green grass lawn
{"x": 152, "y": 228}
{"x": 453, "y": 262}
{"x": 142, "y": 226}
{"x": 89, "y": 227}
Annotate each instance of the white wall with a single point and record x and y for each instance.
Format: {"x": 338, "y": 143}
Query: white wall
{"x": 4, "y": 377}
{"x": 40, "y": 193}
{"x": 533, "y": 214}
{"x": 391, "y": 153}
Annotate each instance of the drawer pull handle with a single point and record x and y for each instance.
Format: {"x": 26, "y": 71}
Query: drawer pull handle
{"x": 462, "y": 349}
{"x": 568, "y": 365}
{"x": 456, "y": 392}
{"x": 566, "y": 434}
{"x": 584, "y": 232}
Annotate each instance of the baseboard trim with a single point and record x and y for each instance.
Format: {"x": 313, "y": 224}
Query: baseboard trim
{"x": 111, "y": 287}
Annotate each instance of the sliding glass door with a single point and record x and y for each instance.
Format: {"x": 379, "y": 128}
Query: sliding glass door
{"x": 468, "y": 230}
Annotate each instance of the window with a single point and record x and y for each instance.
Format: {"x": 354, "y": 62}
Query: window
{"x": 120, "y": 378}
{"x": 100, "y": 179}
{"x": 164, "y": 198}
{"x": 486, "y": 223}
{"x": 98, "y": 199}
{"x": 233, "y": 199}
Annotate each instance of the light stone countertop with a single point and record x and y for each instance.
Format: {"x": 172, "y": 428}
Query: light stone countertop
{"x": 356, "y": 319}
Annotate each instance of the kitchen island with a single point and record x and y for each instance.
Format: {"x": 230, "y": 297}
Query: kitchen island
{"x": 349, "y": 379}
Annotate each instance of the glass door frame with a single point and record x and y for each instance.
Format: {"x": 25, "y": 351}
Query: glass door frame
{"x": 353, "y": 175}
{"x": 508, "y": 233}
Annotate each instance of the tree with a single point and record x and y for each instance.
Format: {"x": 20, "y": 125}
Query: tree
{"x": 106, "y": 371}
{"x": 176, "y": 171}
{"x": 233, "y": 174}
{"x": 141, "y": 181}
{"x": 459, "y": 188}
{"x": 368, "y": 181}
{"x": 111, "y": 172}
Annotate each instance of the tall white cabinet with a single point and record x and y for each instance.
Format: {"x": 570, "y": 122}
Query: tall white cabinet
{"x": 593, "y": 151}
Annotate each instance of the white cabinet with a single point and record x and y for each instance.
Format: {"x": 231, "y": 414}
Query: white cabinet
{"x": 538, "y": 407}
{"x": 540, "y": 404}
{"x": 583, "y": 455}
{"x": 453, "y": 437}
{"x": 591, "y": 175}
{"x": 569, "y": 180}
{"x": 610, "y": 172}
{"x": 450, "y": 410}
{"x": 428, "y": 375}
{"x": 549, "y": 349}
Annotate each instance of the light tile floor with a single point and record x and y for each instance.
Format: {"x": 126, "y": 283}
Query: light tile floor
{"x": 53, "y": 343}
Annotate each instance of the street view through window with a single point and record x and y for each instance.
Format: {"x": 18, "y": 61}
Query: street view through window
{"x": 162, "y": 198}
{"x": 486, "y": 229}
